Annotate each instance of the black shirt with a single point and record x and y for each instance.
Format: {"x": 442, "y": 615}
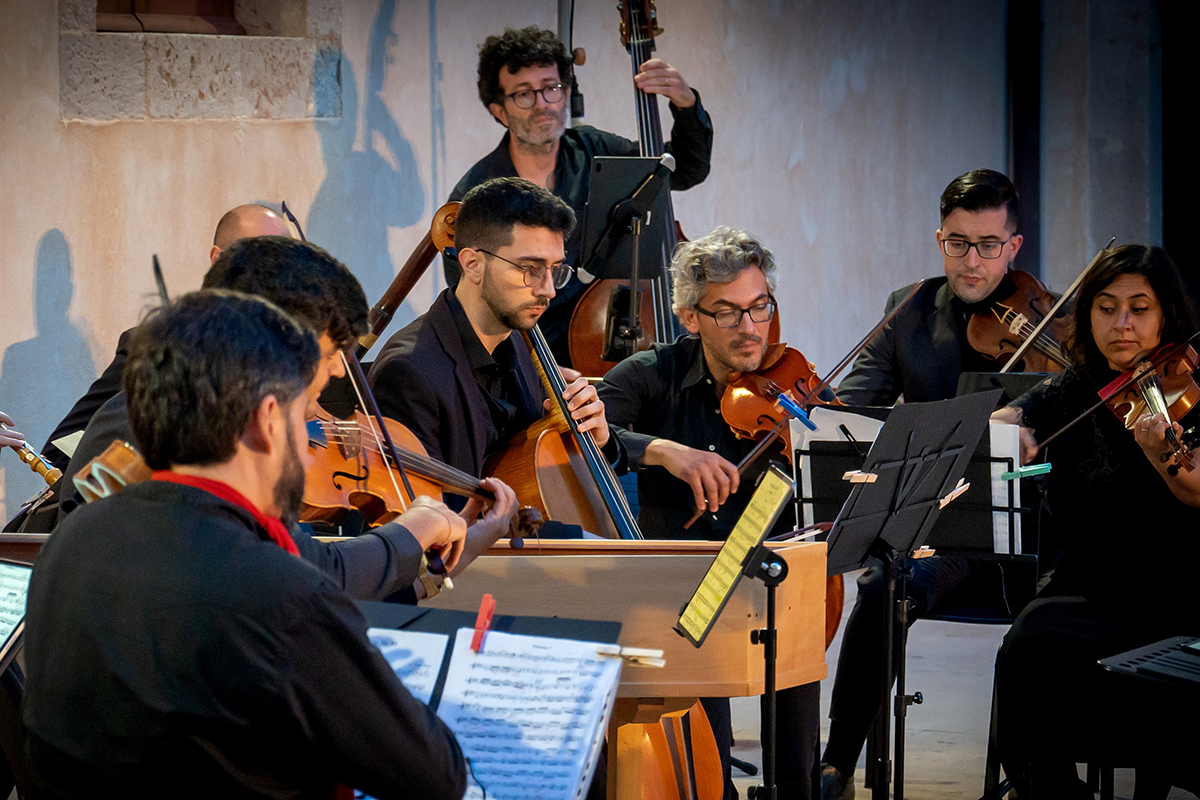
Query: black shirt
{"x": 668, "y": 392}
{"x": 691, "y": 144}
{"x": 1128, "y": 540}
{"x": 172, "y": 649}
{"x": 512, "y": 406}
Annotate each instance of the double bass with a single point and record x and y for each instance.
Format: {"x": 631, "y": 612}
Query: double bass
{"x": 587, "y": 337}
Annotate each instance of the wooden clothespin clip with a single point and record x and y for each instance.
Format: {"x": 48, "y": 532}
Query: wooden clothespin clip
{"x": 641, "y": 656}
{"x": 955, "y": 492}
{"x": 858, "y": 476}
{"x": 924, "y": 551}
{"x": 483, "y": 622}
{"x": 1025, "y": 472}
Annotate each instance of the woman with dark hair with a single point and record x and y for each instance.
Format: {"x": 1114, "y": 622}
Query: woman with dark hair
{"x": 1131, "y": 536}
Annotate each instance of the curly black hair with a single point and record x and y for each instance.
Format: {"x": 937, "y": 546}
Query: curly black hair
{"x": 515, "y": 49}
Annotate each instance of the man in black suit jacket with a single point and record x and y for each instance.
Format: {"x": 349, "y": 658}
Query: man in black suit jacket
{"x": 919, "y": 356}
{"x": 460, "y": 376}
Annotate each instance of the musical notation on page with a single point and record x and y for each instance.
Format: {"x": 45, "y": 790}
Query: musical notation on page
{"x": 529, "y": 712}
{"x": 415, "y": 657}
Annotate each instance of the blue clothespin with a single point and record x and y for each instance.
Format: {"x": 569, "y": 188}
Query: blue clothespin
{"x": 793, "y": 409}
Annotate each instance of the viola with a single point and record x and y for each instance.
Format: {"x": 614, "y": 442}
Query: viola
{"x": 349, "y": 470}
{"x": 1001, "y": 330}
{"x": 1161, "y": 384}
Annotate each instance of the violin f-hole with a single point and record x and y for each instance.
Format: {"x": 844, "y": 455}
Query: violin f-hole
{"x": 356, "y": 478}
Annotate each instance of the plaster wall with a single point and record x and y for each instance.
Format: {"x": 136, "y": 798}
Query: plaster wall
{"x": 1101, "y": 131}
{"x": 837, "y": 127}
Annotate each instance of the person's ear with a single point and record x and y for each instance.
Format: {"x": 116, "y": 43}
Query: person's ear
{"x": 498, "y": 114}
{"x": 213, "y": 255}
{"x": 690, "y": 319}
{"x": 473, "y": 263}
{"x": 267, "y": 423}
{"x": 1015, "y": 244}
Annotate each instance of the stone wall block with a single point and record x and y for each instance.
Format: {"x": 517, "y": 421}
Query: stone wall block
{"x": 77, "y": 16}
{"x": 325, "y": 21}
{"x": 327, "y": 82}
{"x": 193, "y": 77}
{"x": 273, "y": 17}
{"x": 277, "y": 78}
{"x": 102, "y": 76}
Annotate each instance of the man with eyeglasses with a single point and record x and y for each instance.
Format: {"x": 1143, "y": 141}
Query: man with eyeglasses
{"x": 461, "y": 376}
{"x": 919, "y": 357}
{"x": 666, "y": 404}
{"x": 524, "y": 83}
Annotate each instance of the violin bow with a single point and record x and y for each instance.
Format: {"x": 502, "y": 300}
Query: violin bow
{"x": 1132, "y": 376}
{"x": 765, "y": 441}
{"x": 367, "y": 399}
{"x": 292, "y": 219}
{"x": 1053, "y": 312}
{"x": 161, "y": 283}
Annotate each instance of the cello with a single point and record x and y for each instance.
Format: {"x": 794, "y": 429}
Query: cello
{"x": 560, "y": 471}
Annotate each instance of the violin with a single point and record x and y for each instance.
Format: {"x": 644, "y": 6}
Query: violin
{"x": 760, "y": 405}
{"x": 1161, "y": 384}
{"x": 349, "y": 471}
{"x": 1001, "y": 330}
{"x": 751, "y": 406}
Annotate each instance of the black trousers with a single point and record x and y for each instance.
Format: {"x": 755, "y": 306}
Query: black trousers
{"x": 1055, "y": 705}
{"x": 857, "y": 686}
{"x": 797, "y": 737}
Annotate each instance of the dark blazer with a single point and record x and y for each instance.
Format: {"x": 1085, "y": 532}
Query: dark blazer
{"x": 917, "y": 355}
{"x": 100, "y": 392}
{"x": 423, "y": 379}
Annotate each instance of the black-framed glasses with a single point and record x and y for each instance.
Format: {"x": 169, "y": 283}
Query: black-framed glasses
{"x": 732, "y": 317}
{"x": 989, "y": 248}
{"x": 527, "y": 98}
{"x": 535, "y": 273}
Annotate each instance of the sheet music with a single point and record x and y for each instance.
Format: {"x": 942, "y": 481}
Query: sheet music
{"x": 415, "y": 657}
{"x": 828, "y": 421}
{"x": 1005, "y": 442}
{"x": 714, "y": 589}
{"x": 14, "y": 589}
{"x": 529, "y": 712}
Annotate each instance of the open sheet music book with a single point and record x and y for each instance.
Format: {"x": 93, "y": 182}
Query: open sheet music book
{"x": 529, "y": 712}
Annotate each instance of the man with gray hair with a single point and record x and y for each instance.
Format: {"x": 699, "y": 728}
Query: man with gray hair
{"x": 666, "y": 401}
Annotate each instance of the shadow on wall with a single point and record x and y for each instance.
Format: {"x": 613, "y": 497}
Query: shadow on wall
{"x": 40, "y": 378}
{"x": 367, "y": 191}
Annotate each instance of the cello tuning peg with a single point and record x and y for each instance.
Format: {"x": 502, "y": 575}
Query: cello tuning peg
{"x": 579, "y": 56}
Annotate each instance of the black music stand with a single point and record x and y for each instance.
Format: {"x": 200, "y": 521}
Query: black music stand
{"x": 918, "y": 458}
{"x": 622, "y": 240}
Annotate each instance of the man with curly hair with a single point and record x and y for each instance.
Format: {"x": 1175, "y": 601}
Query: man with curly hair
{"x": 524, "y": 82}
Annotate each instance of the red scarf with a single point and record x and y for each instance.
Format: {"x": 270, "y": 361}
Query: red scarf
{"x": 272, "y": 525}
